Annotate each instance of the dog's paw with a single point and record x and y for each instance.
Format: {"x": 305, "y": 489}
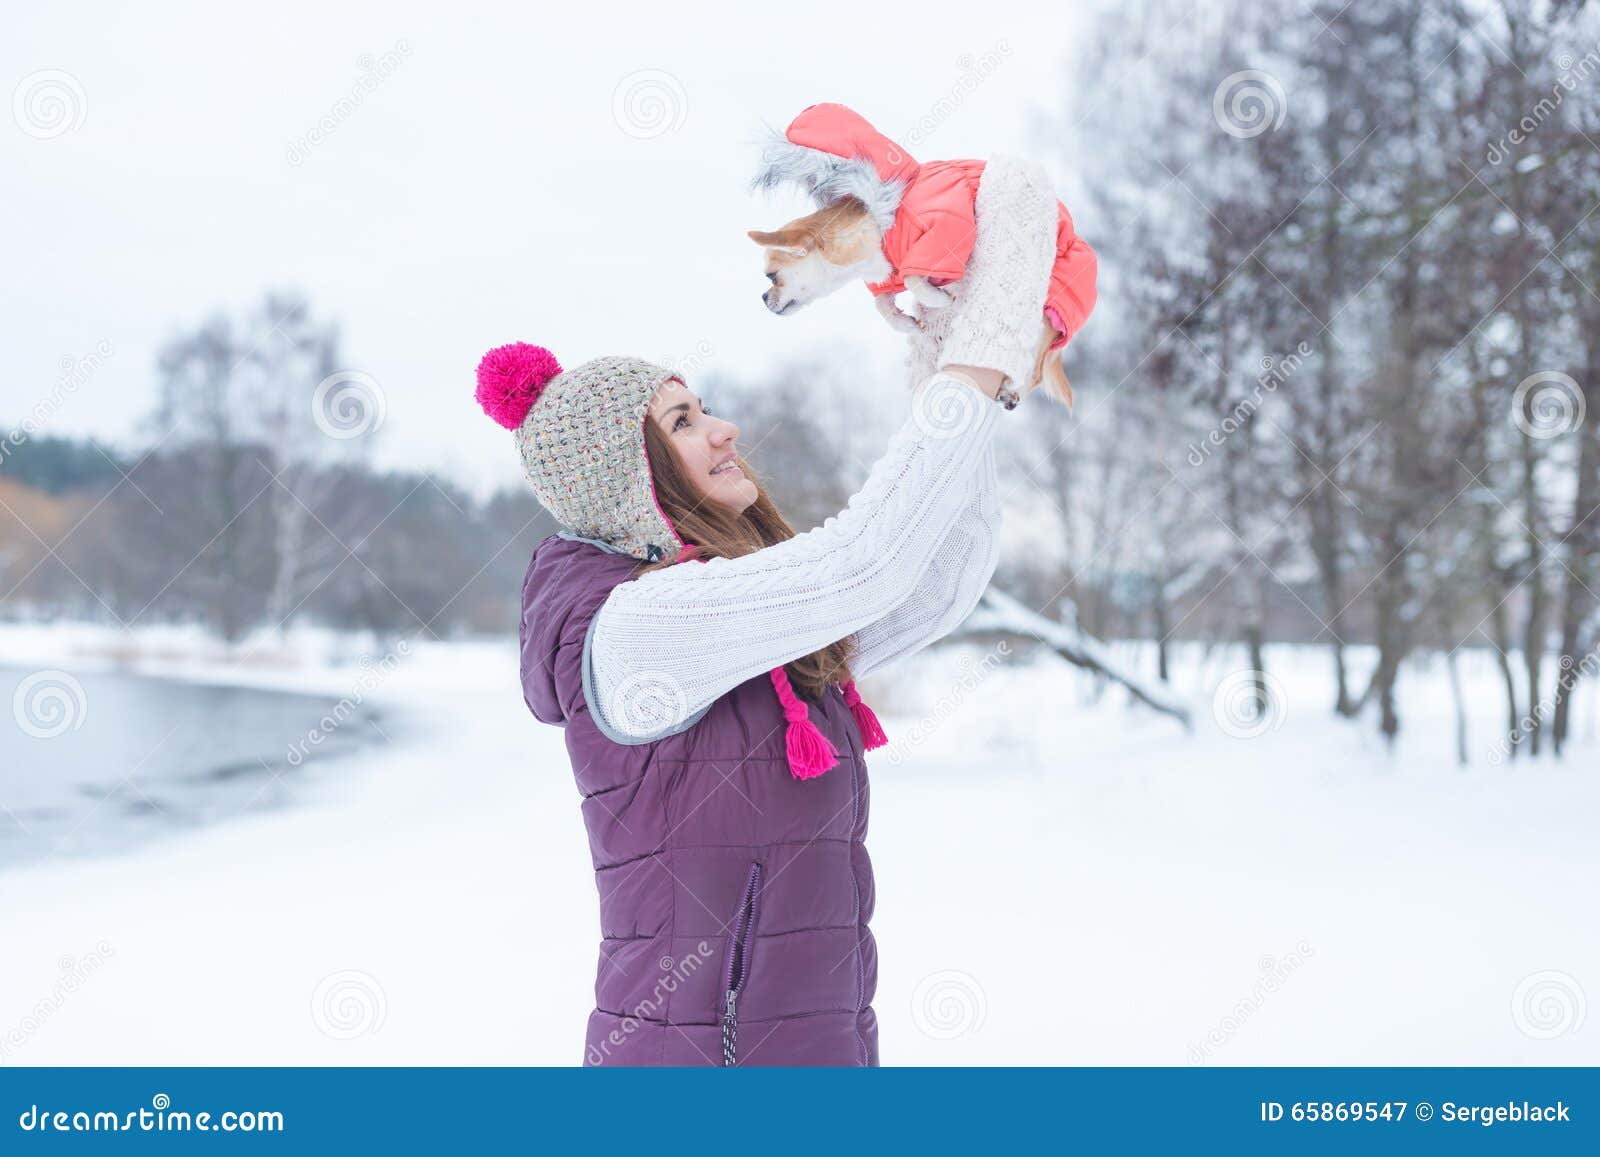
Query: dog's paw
{"x": 896, "y": 317}
{"x": 928, "y": 295}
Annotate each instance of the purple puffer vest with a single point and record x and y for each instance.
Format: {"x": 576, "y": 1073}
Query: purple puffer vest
{"x": 719, "y": 872}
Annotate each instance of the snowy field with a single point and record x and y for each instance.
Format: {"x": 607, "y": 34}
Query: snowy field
{"x": 1062, "y": 879}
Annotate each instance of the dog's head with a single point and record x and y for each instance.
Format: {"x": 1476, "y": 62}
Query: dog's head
{"x": 812, "y": 256}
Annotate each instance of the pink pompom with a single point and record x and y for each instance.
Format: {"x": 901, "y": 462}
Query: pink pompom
{"x": 510, "y": 378}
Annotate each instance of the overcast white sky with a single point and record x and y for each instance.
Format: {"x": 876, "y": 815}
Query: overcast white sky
{"x": 482, "y": 192}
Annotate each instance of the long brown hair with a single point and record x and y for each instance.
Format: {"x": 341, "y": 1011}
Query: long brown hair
{"x": 720, "y": 533}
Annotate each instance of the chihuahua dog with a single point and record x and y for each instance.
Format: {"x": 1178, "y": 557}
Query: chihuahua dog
{"x": 814, "y": 255}
{"x": 898, "y": 225}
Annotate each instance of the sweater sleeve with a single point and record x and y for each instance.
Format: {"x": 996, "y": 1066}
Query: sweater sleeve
{"x": 949, "y": 589}
{"x": 663, "y": 647}
{"x": 994, "y": 323}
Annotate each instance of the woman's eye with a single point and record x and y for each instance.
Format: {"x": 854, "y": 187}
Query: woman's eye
{"x": 682, "y": 418}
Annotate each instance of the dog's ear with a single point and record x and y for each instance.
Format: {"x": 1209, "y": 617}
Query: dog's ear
{"x": 793, "y": 242}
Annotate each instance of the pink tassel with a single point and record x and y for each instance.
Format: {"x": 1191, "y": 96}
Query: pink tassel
{"x": 810, "y": 753}
{"x": 872, "y": 735}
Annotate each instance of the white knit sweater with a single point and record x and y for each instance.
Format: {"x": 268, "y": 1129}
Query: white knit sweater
{"x": 908, "y": 557}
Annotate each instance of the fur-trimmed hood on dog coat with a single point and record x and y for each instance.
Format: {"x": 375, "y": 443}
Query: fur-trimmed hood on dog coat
{"x": 718, "y": 871}
{"x": 924, "y": 209}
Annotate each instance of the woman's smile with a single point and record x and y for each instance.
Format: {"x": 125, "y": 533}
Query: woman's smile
{"x": 704, "y": 445}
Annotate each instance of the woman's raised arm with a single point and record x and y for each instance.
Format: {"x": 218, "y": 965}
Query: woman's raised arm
{"x": 665, "y": 646}
{"x": 994, "y": 322}
{"x": 950, "y": 587}
{"x": 910, "y": 554}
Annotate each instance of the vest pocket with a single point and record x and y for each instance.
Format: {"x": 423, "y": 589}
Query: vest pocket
{"x": 740, "y": 942}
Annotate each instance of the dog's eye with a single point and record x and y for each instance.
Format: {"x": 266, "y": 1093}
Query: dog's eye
{"x": 773, "y": 277}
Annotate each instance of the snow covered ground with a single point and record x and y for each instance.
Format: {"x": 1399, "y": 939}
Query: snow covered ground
{"x": 1061, "y": 880}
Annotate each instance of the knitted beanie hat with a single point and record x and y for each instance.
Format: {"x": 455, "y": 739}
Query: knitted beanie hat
{"x": 581, "y": 436}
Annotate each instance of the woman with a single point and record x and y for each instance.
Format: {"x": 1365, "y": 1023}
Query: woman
{"x": 701, "y": 658}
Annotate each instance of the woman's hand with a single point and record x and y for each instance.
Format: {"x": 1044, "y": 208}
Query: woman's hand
{"x": 982, "y": 378}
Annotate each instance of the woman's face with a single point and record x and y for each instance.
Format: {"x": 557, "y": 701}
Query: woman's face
{"x": 704, "y": 444}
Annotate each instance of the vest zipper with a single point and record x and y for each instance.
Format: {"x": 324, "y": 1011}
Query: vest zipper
{"x": 738, "y": 965}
